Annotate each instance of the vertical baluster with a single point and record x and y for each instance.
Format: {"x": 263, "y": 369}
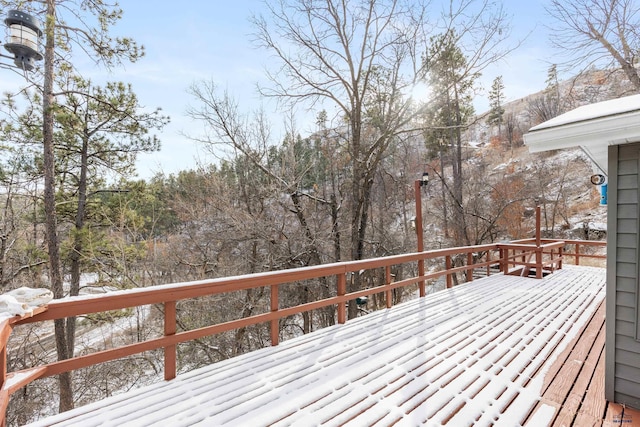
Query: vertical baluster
{"x": 488, "y": 253}
{"x": 275, "y": 323}
{"x": 170, "y": 350}
{"x": 3, "y": 365}
{"x": 342, "y": 290}
{"x": 387, "y": 292}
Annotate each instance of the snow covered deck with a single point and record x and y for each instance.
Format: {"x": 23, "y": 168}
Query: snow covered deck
{"x": 484, "y": 353}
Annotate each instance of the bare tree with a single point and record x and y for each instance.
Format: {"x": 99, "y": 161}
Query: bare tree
{"x": 364, "y": 57}
{"x": 550, "y": 102}
{"x": 555, "y": 181}
{"x": 512, "y": 130}
{"x": 293, "y": 169}
{"x": 602, "y": 33}
{"x": 360, "y": 56}
{"x": 21, "y": 255}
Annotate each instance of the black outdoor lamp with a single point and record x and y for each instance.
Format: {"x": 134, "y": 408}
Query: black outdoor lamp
{"x": 425, "y": 179}
{"x": 23, "y": 40}
{"x": 362, "y": 300}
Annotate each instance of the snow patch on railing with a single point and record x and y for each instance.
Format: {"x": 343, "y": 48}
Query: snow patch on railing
{"x": 22, "y": 301}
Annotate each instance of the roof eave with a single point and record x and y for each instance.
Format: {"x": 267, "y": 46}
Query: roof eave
{"x": 608, "y": 130}
{"x": 593, "y": 135}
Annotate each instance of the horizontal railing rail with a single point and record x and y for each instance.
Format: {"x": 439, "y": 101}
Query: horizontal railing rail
{"x": 472, "y": 258}
{"x": 547, "y": 256}
{"x": 576, "y": 244}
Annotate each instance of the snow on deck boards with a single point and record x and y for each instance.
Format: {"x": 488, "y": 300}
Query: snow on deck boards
{"x": 472, "y": 355}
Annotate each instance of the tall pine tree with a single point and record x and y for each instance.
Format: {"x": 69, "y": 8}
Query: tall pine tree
{"x": 70, "y": 27}
{"x": 452, "y": 83}
{"x": 496, "y": 99}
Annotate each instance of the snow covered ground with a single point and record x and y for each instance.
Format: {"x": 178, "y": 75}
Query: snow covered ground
{"x": 472, "y": 355}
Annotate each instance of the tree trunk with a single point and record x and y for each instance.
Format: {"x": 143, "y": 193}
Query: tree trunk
{"x": 445, "y": 211}
{"x": 461, "y": 237}
{"x": 51, "y": 223}
{"x": 239, "y": 335}
{"x": 76, "y": 254}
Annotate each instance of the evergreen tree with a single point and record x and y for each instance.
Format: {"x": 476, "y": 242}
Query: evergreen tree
{"x": 452, "y": 110}
{"x": 496, "y": 99}
{"x": 70, "y": 26}
{"x": 98, "y": 131}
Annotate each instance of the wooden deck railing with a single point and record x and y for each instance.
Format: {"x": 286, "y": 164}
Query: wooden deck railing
{"x": 523, "y": 255}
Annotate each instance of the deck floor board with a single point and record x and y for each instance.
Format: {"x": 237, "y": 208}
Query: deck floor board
{"x": 580, "y": 367}
{"x": 488, "y": 352}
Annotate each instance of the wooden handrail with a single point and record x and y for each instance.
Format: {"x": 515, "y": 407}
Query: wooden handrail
{"x": 169, "y": 295}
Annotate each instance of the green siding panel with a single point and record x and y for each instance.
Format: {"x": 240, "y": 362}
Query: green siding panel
{"x": 625, "y": 399}
{"x": 629, "y": 373}
{"x": 628, "y": 358}
{"x": 627, "y": 182}
{"x": 627, "y": 314}
{"x": 628, "y": 211}
{"x": 628, "y": 344}
{"x": 627, "y": 240}
{"x": 622, "y": 380}
{"x": 629, "y": 388}
{"x": 627, "y": 255}
{"x": 628, "y": 226}
{"x": 628, "y": 152}
{"x": 628, "y": 196}
{"x": 626, "y": 167}
{"x": 626, "y": 269}
{"x": 627, "y": 329}
{"x": 626, "y": 299}
{"x": 626, "y": 284}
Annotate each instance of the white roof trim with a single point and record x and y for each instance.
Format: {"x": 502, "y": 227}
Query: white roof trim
{"x": 592, "y": 127}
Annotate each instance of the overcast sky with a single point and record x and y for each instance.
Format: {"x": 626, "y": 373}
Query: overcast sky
{"x": 197, "y": 40}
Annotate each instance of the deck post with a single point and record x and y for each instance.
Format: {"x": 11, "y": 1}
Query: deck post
{"x": 488, "y": 263}
{"x": 274, "y": 326}
{"x": 387, "y": 292}
{"x": 577, "y": 254}
{"x": 5, "y": 333}
{"x": 342, "y": 290}
{"x": 561, "y": 256}
{"x": 419, "y": 232}
{"x": 538, "y": 234}
{"x": 470, "y": 264}
{"x": 447, "y": 262}
{"x": 538, "y": 263}
{"x": 421, "y": 284}
{"x": 3, "y": 367}
{"x": 170, "y": 350}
